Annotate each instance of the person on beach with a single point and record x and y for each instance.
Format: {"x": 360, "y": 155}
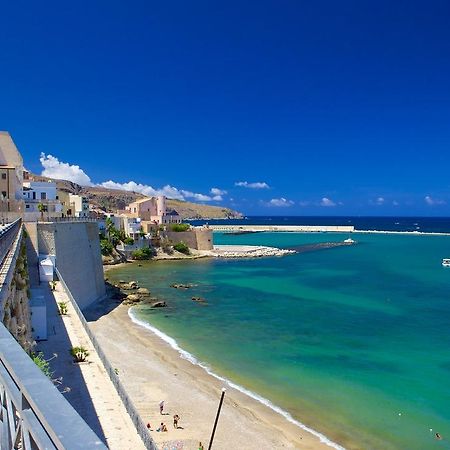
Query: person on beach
{"x": 200, "y": 446}
{"x": 162, "y": 427}
{"x": 161, "y": 407}
{"x": 149, "y": 426}
{"x": 176, "y": 418}
{"x": 438, "y": 437}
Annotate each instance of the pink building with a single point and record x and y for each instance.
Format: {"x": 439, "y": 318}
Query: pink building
{"x": 152, "y": 209}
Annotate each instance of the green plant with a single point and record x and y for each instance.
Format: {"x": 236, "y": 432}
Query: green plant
{"x": 62, "y": 308}
{"x": 179, "y": 227}
{"x": 106, "y": 247}
{"x": 79, "y": 354}
{"x": 41, "y": 208}
{"x": 143, "y": 253}
{"x": 42, "y": 363}
{"x": 182, "y": 248}
{"x": 128, "y": 241}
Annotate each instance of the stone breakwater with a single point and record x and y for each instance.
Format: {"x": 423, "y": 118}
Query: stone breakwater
{"x": 248, "y": 251}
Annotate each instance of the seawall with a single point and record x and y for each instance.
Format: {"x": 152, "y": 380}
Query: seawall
{"x": 76, "y": 247}
{"x": 284, "y": 228}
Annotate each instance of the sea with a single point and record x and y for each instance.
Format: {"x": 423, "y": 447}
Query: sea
{"x": 352, "y": 342}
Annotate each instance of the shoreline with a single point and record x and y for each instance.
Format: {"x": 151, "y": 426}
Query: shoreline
{"x": 230, "y": 384}
{"x": 150, "y": 366}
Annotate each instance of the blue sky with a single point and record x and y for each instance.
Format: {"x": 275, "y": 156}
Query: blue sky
{"x": 281, "y": 107}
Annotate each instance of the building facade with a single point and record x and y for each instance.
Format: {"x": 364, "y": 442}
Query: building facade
{"x": 73, "y": 205}
{"x": 37, "y": 193}
{"x": 153, "y": 210}
{"x": 11, "y": 178}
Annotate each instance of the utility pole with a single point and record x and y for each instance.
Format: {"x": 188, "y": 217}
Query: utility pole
{"x": 217, "y": 418}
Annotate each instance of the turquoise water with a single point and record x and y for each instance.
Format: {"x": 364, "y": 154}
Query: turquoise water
{"x": 352, "y": 341}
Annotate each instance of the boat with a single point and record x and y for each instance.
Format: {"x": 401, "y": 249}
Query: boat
{"x": 351, "y": 241}
{"x": 446, "y": 262}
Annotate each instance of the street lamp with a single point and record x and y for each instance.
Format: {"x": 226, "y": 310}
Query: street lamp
{"x": 217, "y": 418}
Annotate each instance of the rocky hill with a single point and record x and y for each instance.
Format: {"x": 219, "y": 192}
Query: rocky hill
{"x": 112, "y": 199}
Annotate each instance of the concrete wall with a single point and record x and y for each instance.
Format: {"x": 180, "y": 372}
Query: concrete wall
{"x": 77, "y": 249}
{"x": 196, "y": 238}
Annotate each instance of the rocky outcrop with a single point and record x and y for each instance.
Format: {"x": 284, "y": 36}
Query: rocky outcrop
{"x": 248, "y": 251}
{"x": 183, "y": 286}
{"x": 160, "y": 304}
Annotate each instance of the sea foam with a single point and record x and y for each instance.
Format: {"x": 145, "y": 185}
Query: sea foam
{"x": 193, "y": 360}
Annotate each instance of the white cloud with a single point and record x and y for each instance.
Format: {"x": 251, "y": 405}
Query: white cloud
{"x": 379, "y": 201}
{"x": 144, "y": 189}
{"x": 395, "y": 203}
{"x": 54, "y": 168}
{"x": 327, "y": 202}
{"x": 280, "y": 202}
{"x": 433, "y": 201}
{"x": 254, "y": 185}
{"x": 217, "y": 191}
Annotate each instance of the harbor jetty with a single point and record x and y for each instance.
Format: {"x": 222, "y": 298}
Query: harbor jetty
{"x": 238, "y": 229}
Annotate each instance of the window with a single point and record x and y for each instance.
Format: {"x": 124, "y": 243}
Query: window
{"x": 27, "y": 206}
{"x": 43, "y": 195}
{"x": 3, "y": 176}
{"x": 4, "y": 194}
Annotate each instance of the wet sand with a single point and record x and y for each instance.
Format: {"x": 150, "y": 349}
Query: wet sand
{"x": 152, "y": 370}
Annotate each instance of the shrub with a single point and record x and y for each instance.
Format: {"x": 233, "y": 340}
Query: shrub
{"x": 62, "y": 308}
{"x": 106, "y": 247}
{"x": 178, "y": 227}
{"x": 143, "y": 253}
{"x": 128, "y": 241}
{"x": 39, "y": 360}
{"x": 182, "y": 248}
{"x": 79, "y": 354}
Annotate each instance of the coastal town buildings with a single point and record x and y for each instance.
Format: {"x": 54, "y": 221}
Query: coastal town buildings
{"x": 11, "y": 178}
{"x": 153, "y": 210}
{"x": 36, "y": 193}
{"x": 73, "y": 205}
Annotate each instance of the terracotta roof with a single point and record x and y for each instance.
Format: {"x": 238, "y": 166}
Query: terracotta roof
{"x": 142, "y": 200}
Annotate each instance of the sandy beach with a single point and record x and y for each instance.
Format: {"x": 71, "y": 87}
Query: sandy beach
{"x": 152, "y": 370}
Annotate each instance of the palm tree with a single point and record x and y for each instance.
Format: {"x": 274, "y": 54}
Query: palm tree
{"x": 41, "y": 207}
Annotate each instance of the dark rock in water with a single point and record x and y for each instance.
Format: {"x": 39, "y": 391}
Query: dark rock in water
{"x": 319, "y": 246}
{"x": 143, "y": 291}
{"x": 198, "y": 300}
{"x": 133, "y": 285}
{"x": 133, "y": 298}
{"x": 159, "y": 305}
{"x": 183, "y": 286}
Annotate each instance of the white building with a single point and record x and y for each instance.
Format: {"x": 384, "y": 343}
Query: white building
{"x": 79, "y": 205}
{"x": 41, "y": 192}
{"x": 132, "y": 227}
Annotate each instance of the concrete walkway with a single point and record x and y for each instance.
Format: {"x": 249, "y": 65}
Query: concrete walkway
{"x": 87, "y": 385}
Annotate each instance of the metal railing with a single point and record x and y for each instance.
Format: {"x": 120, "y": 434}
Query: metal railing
{"x": 10, "y": 240}
{"x": 139, "y": 424}
{"x": 8, "y": 234}
{"x": 33, "y": 413}
{"x": 70, "y": 219}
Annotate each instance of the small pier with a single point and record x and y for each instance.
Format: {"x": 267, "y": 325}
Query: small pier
{"x": 241, "y": 229}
